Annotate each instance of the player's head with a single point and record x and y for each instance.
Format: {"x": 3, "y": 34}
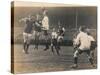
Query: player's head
{"x": 82, "y": 28}
{"x": 44, "y": 11}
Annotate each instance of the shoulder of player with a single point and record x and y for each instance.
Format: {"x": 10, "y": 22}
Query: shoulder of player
{"x": 46, "y": 17}
{"x": 79, "y": 35}
{"x": 91, "y": 37}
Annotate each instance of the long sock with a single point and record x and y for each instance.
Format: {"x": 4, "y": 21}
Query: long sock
{"x": 58, "y": 45}
{"x": 75, "y": 60}
{"x": 52, "y": 49}
{"x": 57, "y": 52}
{"x": 37, "y": 42}
{"x": 27, "y": 47}
{"x": 47, "y": 46}
{"x": 91, "y": 60}
{"x": 24, "y": 45}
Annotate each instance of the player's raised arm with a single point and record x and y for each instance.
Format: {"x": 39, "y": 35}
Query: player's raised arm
{"x": 24, "y": 19}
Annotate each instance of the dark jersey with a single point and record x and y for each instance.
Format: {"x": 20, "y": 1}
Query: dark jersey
{"x": 93, "y": 45}
{"x": 37, "y": 25}
{"x": 60, "y": 32}
{"x": 29, "y": 26}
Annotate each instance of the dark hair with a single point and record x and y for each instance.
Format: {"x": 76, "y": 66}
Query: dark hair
{"x": 83, "y": 28}
{"x": 88, "y": 33}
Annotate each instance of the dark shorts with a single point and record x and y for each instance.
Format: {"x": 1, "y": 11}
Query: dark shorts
{"x": 45, "y": 32}
{"x": 93, "y": 45}
{"x": 38, "y": 29}
{"x": 83, "y": 51}
{"x": 54, "y": 42}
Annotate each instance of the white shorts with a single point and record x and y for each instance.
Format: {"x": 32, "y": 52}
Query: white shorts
{"x": 60, "y": 37}
{"x": 27, "y": 36}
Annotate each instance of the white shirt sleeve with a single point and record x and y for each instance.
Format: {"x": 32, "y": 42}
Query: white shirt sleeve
{"x": 91, "y": 38}
{"x": 63, "y": 29}
{"x": 24, "y": 19}
{"x": 45, "y": 22}
{"x": 77, "y": 40}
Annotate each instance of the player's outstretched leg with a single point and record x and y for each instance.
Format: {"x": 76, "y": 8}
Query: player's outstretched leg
{"x": 24, "y": 45}
{"x": 57, "y": 47}
{"x": 26, "y": 50}
{"x": 75, "y": 59}
{"x": 36, "y": 44}
{"x": 27, "y": 45}
{"x": 91, "y": 61}
{"x": 36, "y": 40}
{"x": 46, "y": 45}
{"x": 90, "y": 58}
{"x": 57, "y": 50}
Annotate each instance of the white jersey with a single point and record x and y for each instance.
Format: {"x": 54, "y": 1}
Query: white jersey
{"x": 45, "y": 23}
{"x": 83, "y": 40}
{"x": 91, "y": 38}
{"x": 54, "y": 35}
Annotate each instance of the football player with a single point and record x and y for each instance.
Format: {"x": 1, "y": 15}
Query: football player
{"x": 84, "y": 44}
{"x": 37, "y": 30}
{"x": 54, "y": 42}
{"x": 45, "y": 25}
{"x": 61, "y": 33}
{"x": 27, "y": 33}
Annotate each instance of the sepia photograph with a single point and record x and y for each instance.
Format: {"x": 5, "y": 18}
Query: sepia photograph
{"x": 49, "y": 37}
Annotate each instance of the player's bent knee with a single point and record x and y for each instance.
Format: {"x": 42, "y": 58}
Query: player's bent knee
{"x": 76, "y": 54}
